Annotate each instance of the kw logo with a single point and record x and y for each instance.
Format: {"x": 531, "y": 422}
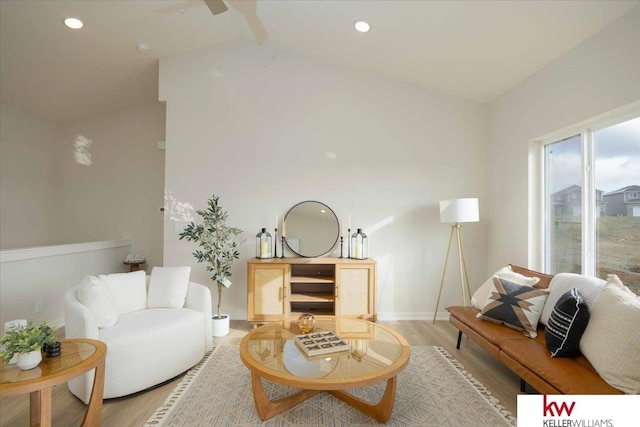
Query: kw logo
{"x": 548, "y": 408}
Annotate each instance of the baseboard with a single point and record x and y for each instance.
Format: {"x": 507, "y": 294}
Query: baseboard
{"x": 412, "y": 316}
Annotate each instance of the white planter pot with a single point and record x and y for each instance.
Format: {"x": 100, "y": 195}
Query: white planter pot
{"x": 29, "y": 360}
{"x": 220, "y": 326}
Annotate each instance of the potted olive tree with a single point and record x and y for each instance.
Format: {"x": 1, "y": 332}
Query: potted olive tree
{"x": 218, "y": 244}
{"x": 26, "y": 342}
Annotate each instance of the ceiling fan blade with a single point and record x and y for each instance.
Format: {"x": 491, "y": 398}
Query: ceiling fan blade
{"x": 248, "y": 8}
{"x": 216, "y": 6}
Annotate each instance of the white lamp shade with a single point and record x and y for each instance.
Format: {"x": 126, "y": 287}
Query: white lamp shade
{"x": 459, "y": 210}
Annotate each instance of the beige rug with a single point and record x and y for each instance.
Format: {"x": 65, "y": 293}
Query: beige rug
{"x": 433, "y": 390}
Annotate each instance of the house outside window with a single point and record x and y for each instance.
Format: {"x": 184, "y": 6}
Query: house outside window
{"x": 591, "y": 201}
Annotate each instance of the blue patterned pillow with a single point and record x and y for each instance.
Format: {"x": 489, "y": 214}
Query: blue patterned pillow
{"x": 513, "y": 305}
{"x": 566, "y": 324}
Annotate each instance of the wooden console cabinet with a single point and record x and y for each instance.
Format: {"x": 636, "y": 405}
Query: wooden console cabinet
{"x": 281, "y": 288}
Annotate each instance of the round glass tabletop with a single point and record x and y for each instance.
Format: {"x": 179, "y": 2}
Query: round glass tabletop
{"x": 73, "y": 353}
{"x": 370, "y": 350}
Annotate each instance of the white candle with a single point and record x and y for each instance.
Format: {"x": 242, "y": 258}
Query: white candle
{"x": 264, "y": 249}
{"x": 349, "y": 221}
{"x": 284, "y": 233}
{"x": 342, "y": 228}
{"x": 358, "y": 251}
{"x": 276, "y": 220}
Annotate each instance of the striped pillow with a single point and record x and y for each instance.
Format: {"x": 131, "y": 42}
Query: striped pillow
{"x": 566, "y": 324}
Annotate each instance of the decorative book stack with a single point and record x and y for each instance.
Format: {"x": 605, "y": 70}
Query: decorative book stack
{"x": 320, "y": 343}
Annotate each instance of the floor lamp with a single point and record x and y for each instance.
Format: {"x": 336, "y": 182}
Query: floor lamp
{"x": 457, "y": 211}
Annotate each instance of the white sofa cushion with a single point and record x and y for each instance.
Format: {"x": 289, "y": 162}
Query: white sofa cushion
{"x": 479, "y": 298}
{"x": 94, "y": 294}
{"x": 128, "y": 290}
{"x": 611, "y": 341}
{"x": 589, "y": 287}
{"x": 168, "y": 287}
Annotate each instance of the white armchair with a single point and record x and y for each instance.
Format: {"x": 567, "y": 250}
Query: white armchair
{"x": 151, "y": 336}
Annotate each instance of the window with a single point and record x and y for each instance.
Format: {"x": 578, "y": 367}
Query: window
{"x": 595, "y": 228}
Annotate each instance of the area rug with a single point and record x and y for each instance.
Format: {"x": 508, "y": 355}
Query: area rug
{"x": 433, "y": 390}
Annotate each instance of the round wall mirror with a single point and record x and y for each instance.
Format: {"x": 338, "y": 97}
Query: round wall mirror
{"x": 311, "y": 229}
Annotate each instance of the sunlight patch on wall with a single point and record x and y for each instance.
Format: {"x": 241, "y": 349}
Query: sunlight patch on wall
{"x": 377, "y": 226}
{"x": 177, "y": 211}
{"x": 82, "y": 150}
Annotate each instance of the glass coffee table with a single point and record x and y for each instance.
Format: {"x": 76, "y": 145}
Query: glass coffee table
{"x": 78, "y": 356}
{"x": 374, "y": 354}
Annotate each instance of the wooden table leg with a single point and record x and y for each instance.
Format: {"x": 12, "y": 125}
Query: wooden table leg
{"x": 34, "y": 408}
{"x": 267, "y": 408}
{"x": 40, "y": 407}
{"x": 380, "y": 411}
{"x": 93, "y": 416}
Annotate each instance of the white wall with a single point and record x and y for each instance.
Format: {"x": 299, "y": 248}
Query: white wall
{"x": 266, "y": 134}
{"x": 119, "y": 195}
{"x": 27, "y": 181}
{"x": 47, "y": 198}
{"x": 45, "y": 273}
{"x": 600, "y": 75}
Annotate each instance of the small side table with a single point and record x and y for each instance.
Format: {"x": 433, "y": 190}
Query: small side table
{"x": 134, "y": 265}
{"x": 78, "y": 357}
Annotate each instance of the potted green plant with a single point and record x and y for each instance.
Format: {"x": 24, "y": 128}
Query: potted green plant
{"x": 26, "y": 342}
{"x": 218, "y": 244}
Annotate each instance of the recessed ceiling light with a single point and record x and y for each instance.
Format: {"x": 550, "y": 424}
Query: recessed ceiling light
{"x": 362, "y": 26}
{"x": 73, "y": 23}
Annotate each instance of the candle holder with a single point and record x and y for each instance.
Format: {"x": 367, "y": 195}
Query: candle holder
{"x": 360, "y": 244}
{"x": 282, "y": 240}
{"x": 349, "y": 245}
{"x": 275, "y": 243}
{"x": 263, "y": 245}
{"x": 341, "y": 243}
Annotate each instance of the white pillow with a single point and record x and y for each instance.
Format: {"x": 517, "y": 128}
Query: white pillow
{"x": 611, "y": 341}
{"x": 168, "y": 287}
{"x": 589, "y": 287}
{"x": 129, "y": 290}
{"x": 479, "y": 298}
{"x": 94, "y": 294}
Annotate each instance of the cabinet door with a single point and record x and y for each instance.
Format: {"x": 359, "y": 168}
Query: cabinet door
{"x": 356, "y": 291}
{"x": 267, "y": 292}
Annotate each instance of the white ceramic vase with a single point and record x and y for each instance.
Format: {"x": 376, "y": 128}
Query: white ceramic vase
{"x": 29, "y": 360}
{"x": 220, "y": 326}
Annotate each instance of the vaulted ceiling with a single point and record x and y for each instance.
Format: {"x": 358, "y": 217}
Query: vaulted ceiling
{"x": 469, "y": 49}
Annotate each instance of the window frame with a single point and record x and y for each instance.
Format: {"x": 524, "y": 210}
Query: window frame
{"x": 537, "y": 230}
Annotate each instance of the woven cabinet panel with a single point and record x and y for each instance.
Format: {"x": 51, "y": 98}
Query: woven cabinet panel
{"x": 354, "y": 291}
{"x": 269, "y": 285}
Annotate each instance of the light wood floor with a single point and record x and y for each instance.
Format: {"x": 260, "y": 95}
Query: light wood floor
{"x": 134, "y": 410}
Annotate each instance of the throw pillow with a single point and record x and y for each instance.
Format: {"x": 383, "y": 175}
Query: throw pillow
{"x": 479, "y": 298}
{"x": 562, "y": 283}
{"x": 94, "y": 294}
{"x": 513, "y": 305}
{"x": 168, "y": 287}
{"x": 129, "y": 290}
{"x": 611, "y": 341}
{"x": 566, "y": 325}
